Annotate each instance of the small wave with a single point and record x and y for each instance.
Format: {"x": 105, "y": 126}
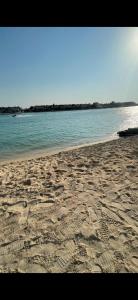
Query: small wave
{"x": 24, "y": 116}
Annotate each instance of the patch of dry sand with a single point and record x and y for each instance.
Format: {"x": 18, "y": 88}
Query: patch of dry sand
{"x": 75, "y": 211}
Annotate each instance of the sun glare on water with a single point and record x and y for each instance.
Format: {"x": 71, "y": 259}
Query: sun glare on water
{"x": 129, "y": 116}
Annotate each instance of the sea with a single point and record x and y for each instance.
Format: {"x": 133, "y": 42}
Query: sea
{"x": 30, "y": 134}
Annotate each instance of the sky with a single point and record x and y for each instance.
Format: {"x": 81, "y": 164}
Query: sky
{"x": 60, "y": 65}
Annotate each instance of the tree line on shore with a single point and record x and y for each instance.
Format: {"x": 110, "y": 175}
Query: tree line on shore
{"x": 64, "y": 107}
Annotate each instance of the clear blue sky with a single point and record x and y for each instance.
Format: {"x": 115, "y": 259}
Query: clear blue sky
{"x": 68, "y": 65}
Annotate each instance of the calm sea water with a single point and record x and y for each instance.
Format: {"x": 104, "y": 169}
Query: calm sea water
{"x": 34, "y": 133}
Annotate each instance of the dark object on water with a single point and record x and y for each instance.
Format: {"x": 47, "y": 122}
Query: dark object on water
{"x": 128, "y": 132}
{"x": 13, "y": 115}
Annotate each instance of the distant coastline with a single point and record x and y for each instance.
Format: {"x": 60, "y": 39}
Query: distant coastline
{"x": 64, "y": 107}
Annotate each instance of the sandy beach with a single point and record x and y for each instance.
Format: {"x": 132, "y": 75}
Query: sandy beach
{"x": 74, "y": 211}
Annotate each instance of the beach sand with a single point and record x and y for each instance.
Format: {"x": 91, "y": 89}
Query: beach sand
{"x": 75, "y": 211}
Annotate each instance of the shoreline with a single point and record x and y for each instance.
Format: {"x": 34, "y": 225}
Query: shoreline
{"x": 73, "y": 212}
{"x": 51, "y": 152}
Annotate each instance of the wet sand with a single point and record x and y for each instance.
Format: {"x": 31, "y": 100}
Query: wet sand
{"x": 74, "y": 211}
